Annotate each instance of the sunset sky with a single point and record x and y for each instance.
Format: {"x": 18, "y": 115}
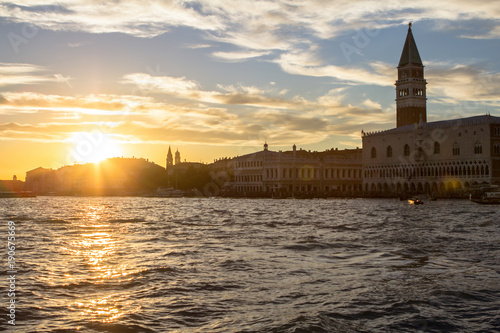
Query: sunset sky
{"x": 82, "y": 80}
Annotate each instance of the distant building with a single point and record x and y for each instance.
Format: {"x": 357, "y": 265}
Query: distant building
{"x": 298, "y": 172}
{"x": 442, "y": 157}
{"x": 221, "y": 173}
{"x": 185, "y": 175}
{"x": 114, "y": 176}
{"x": 41, "y": 181}
{"x": 13, "y": 186}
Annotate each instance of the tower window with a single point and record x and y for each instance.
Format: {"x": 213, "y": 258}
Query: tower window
{"x": 374, "y": 152}
{"x": 407, "y": 150}
{"x": 456, "y": 149}
{"x": 437, "y": 148}
{"x": 389, "y": 151}
{"x": 478, "y": 148}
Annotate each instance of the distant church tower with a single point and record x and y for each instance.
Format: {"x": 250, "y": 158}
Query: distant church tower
{"x": 410, "y": 85}
{"x": 177, "y": 157}
{"x": 170, "y": 159}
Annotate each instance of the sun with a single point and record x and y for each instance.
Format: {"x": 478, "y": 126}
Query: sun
{"x": 93, "y": 147}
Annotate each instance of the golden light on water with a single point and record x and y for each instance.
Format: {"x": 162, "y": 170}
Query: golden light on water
{"x": 105, "y": 309}
{"x": 95, "y": 246}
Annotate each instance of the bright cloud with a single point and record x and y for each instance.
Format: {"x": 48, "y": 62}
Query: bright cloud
{"x": 20, "y": 74}
{"x": 130, "y": 17}
{"x": 238, "y": 56}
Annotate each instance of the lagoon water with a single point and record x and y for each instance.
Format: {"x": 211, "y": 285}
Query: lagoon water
{"x": 130, "y": 264}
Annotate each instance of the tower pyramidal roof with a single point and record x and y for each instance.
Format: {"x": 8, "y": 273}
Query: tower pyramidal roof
{"x": 410, "y": 52}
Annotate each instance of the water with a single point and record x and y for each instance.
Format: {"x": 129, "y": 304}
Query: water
{"x": 238, "y": 265}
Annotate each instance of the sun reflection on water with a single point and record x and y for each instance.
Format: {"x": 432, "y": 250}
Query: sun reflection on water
{"x": 105, "y": 309}
{"x": 94, "y": 248}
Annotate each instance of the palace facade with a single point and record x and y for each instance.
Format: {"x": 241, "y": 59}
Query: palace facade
{"x": 442, "y": 157}
{"x": 298, "y": 172}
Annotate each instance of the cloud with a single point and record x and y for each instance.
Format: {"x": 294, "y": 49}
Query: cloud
{"x": 259, "y": 25}
{"x": 371, "y": 104}
{"x": 131, "y": 17}
{"x": 287, "y": 33}
{"x": 239, "y": 56}
{"x": 22, "y": 74}
{"x": 493, "y": 33}
{"x": 305, "y": 63}
{"x": 461, "y": 83}
{"x": 182, "y": 87}
{"x": 92, "y": 104}
{"x": 276, "y": 115}
{"x": 203, "y": 118}
{"x": 163, "y": 84}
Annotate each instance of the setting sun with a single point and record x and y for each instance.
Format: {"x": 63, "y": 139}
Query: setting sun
{"x": 93, "y": 147}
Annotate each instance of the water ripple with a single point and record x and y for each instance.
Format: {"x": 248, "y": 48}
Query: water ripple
{"x": 237, "y": 265}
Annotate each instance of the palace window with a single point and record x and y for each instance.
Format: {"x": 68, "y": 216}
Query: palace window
{"x": 497, "y": 131}
{"x": 374, "y": 152}
{"x": 389, "y": 151}
{"x": 496, "y": 148}
{"x": 456, "y": 149}
{"x": 407, "y": 150}
{"x": 437, "y": 148}
{"x": 478, "y": 148}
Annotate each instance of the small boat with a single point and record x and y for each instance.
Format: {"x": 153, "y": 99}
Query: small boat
{"x": 486, "y": 195}
{"x": 415, "y": 201}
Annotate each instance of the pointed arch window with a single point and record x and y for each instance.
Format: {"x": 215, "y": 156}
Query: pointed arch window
{"x": 456, "y": 149}
{"x": 437, "y": 148}
{"x": 389, "y": 151}
{"x": 374, "y": 152}
{"x": 407, "y": 150}
{"x": 496, "y": 148}
{"x": 478, "y": 148}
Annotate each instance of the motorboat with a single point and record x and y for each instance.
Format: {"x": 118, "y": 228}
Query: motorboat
{"x": 415, "y": 201}
{"x": 485, "y": 195}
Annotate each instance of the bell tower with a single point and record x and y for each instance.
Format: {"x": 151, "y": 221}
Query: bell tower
{"x": 410, "y": 86}
{"x": 170, "y": 159}
{"x": 177, "y": 157}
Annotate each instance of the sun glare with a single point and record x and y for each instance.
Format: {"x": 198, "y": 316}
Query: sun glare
{"x": 93, "y": 147}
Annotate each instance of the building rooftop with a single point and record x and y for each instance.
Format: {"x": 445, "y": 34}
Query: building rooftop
{"x": 475, "y": 120}
{"x": 410, "y": 52}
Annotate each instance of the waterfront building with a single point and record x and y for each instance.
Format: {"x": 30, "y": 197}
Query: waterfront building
{"x": 11, "y": 186}
{"x": 441, "y": 157}
{"x": 298, "y": 172}
{"x": 41, "y": 181}
{"x": 113, "y": 176}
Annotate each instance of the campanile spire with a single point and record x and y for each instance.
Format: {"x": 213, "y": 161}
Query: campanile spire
{"x": 411, "y": 105}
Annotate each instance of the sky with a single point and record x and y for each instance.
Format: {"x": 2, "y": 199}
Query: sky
{"x": 82, "y": 80}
